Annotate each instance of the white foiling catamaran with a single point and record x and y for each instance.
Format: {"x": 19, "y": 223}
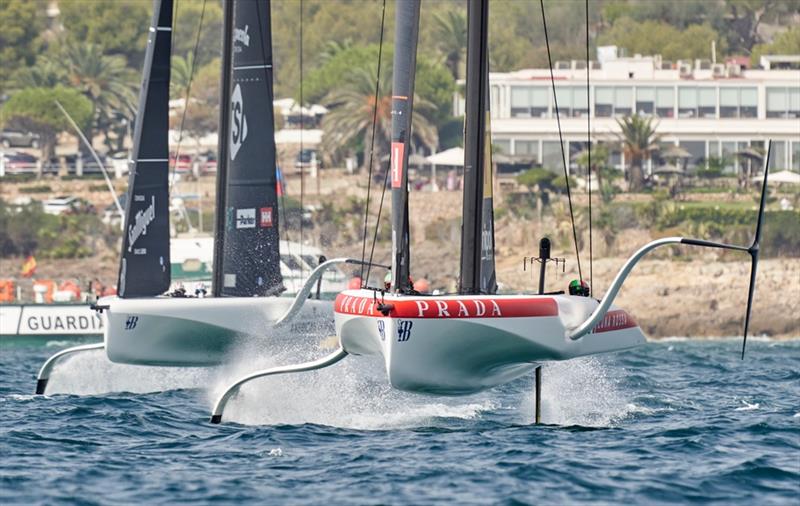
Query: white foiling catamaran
{"x": 145, "y": 327}
{"x": 475, "y": 339}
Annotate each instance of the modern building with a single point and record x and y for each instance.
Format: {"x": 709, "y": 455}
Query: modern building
{"x": 710, "y": 110}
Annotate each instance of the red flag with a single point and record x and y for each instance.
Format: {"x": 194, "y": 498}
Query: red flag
{"x": 29, "y": 267}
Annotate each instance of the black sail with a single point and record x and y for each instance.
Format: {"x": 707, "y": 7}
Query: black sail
{"x": 477, "y": 234}
{"x": 405, "y": 58}
{"x": 488, "y": 278}
{"x": 250, "y": 263}
{"x": 145, "y": 260}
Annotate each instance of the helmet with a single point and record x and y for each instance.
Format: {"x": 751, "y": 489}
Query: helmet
{"x": 579, "y": 287}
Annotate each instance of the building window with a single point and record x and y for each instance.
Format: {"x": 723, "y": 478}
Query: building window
{"x": 707, "y": 102}
{"x": 729, "y": 102}
{"x": 729, "y": 156}
{"x": 552, "y": 157}
{"x": 501, "y": 146}
{"x": 529, "y": 101}
{"x": 563, "y": 101}
{"x": 796, "y": 156}
{"x": 778, "y": 156}
{"x": 783, "y": 102}
{"x": 665, "y": 102}
{"x": 645, "y": 101}
{"x": 713, "y": 149}
{"x": 749, "y": 103}
{"x": 526, "y": 148}
{"x": 697, "y": 150}
{"x": 603, "y": 101}
{"x": 623, "y": 101}
{"x": 580, "y": 103}
{"x": 687, "y": 102}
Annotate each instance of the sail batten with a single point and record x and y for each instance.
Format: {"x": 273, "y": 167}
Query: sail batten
{"x": 145, "y": 260}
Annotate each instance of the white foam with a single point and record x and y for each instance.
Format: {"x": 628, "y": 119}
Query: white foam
{"x": 91, "y": 373}
{"x": 747, "y": 406}
{"x": 583, "y": 391}
{"x": 353, "y": 393}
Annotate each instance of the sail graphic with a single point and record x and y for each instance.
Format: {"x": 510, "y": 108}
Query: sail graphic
{"x": 477, "y": 231}
{"x": 145, "y": 261}
{"x": 250, "y": 259}
{"x": 405, "y": 58}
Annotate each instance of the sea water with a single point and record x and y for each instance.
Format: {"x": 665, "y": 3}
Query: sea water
{"x": 674, "y": 421}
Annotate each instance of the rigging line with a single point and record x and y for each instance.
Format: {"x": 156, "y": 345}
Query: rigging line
{"x": 371, "y": 154}
{"x": 561, "y": 141}
{"x": 188, "y": 92}
{"x": 302, "y": 125}
{"x": 589, "y": 143}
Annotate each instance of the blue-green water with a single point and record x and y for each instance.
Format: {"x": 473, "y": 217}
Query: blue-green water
{"x": 670, "y": 422}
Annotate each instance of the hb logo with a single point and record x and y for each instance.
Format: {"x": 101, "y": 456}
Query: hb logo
{"x": 404, "y": 330}
{"x": 130, "y": 323}
{"x": 382, "y": 330}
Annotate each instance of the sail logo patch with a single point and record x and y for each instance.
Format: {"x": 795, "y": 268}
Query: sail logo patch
{"x": 266, "y": 217}
{"x": 143, "y": 218}
{"x": 238, "y": 122}
{"x": 246, "y": 218}
{"x": 242, "y": 36}
{"x": 397, "y": 164}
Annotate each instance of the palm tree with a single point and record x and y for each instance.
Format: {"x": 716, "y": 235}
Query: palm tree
{"x": 451, "y": 38}
{"x": 105, "y": 80}
{"x": 639, "y": 140}
{"x": 180, "y": 75}
{"x": 352, "y": 108}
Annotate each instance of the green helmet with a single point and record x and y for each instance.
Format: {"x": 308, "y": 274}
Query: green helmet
{"x": 579, "y": 287}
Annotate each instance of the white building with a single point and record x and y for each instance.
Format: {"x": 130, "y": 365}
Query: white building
{"x": 711, "y": 110}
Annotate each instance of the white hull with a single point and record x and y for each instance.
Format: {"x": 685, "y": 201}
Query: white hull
{"x": 187, "y": 332}
{"x": 49, "y": 320}
{"x": 455, "y": 345}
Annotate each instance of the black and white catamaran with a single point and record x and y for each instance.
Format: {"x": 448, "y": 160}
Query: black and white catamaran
{"x": 145, "y": 327}
{"x": 475, "y": 339}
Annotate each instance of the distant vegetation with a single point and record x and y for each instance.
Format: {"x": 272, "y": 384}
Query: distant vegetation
{"x": 100, "y": 50}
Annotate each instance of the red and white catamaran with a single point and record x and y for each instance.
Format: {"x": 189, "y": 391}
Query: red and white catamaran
{"x": 476, "y": 339}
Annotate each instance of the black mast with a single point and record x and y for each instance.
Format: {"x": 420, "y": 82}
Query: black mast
{"x": 405, "y": 61}
{"x": 477, "y": 235}
{"x": 145, "y": 260}
{"x": 222, "y": 143}
{"x": 250, "y": 263}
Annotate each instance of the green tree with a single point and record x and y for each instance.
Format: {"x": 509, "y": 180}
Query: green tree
{"x": 180, "y": 75}
{"x": 187, "y": 22}
{"x": 119, "y": 27}
{"x": 353, "y": 105}
{"x": 106, "y": 81}
{"x": 34, "y": 110}
{"x": 21, "y": 25}
{"x": 639, "y": 140}
{"x": 656, "y": 37}
{"x": 451, "y": 38}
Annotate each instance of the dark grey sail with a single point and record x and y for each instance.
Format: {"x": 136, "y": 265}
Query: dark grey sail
{"x": 145, "y": 261}
{"x": 405, "y": 59}
{"x": 250, "y": 264}
{"x": 477, "y": 231}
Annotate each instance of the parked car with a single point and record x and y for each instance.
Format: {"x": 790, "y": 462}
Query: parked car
{"x": 182, "y": 164}
{"x": 307, "y": 158}
{"x": 19, "y": 163}
{"x": 67, "y": 204}
{"x": 16, "y": 139}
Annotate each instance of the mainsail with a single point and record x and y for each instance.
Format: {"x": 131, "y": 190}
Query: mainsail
{"x": 477, "y": 232}
{"x": 145, "y": 261}
{"x": 405, "y": 58}
{"x": 250, "y": 260}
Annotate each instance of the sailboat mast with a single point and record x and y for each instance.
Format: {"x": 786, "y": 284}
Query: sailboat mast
{"x": 222, "y": 144}
{"x": 145, "y": 261}
{"x": 405, "y": 61}
{"x": 477, "y": 241}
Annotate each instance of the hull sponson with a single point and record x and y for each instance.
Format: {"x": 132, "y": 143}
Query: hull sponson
{"x": 455, "y": 345}
{"x": 185, "y": 332}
